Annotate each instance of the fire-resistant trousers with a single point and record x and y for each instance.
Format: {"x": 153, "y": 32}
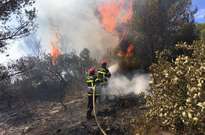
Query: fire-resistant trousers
{"x": 90, "y": 106}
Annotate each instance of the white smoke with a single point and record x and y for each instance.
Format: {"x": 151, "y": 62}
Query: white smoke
{"x": 78, "y": 25}
{"x": 120, "y": 85}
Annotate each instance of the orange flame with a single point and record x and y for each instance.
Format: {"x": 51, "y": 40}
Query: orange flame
{"x": 130, "y": 50}
{"x": 111, "y": 14}
{"x": 55, "y": 51}
{"x": 128, "y": 53}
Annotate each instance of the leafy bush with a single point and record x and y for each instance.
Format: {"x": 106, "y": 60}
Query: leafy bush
{"x": 203, "y": 34}
{"x": 177, "y": 95}
{"x": 201, "y": 31}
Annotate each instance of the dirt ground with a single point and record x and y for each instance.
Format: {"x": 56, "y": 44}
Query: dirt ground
{"x": 117, "y": 117}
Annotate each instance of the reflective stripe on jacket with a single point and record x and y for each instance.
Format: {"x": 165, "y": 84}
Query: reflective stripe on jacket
{"x": 91, "y": 83}
{"x": 102, "y": 75}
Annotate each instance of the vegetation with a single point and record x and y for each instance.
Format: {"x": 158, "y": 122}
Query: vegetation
{"x": 160, "y": 24}
{"x": 24, "y": 15}
{"x": 201, "y": 31}
{"x": 177, "y": 96}
{"x": 32, "y": 79}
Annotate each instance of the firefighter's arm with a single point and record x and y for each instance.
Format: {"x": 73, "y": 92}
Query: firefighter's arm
{"x": 108, "y": 74}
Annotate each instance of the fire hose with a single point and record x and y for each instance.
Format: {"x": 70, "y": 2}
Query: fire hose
{"x": 94, "y": 111}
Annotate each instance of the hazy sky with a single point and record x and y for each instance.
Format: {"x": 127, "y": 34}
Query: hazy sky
{"x": 200, "y": 16}
{"x": 77, "y": 23}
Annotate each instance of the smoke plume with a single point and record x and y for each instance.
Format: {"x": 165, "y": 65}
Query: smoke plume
{"x": 78, "y": 25}
{"x": 123, "y": 85}
{"x": 131, "y": 83}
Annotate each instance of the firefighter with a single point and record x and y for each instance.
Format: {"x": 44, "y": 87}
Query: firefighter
{"x": 103, "y": 73}
{"x": 91, "y": 81}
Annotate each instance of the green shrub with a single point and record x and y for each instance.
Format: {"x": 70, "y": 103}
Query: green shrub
{"x": 203, "y": 34}
{"x": 177, "y": 94}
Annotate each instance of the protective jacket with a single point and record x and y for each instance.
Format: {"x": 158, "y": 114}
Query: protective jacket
{"x": 91, "y": 81}
{"x": 102, "y": 75}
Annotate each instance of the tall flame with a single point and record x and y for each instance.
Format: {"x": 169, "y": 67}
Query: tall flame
{"x": 55, "y": 44}
{"x": 109, "y": 13}
{"x": 114, "y": 13}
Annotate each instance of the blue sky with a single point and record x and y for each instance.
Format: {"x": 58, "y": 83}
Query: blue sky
{"x": 200, "y": 16}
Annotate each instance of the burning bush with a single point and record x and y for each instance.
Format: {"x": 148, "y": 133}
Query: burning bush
{"x": 115, "y": 17}
{"x": 126, "y": 55}
{"x": 177, "y": 96}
